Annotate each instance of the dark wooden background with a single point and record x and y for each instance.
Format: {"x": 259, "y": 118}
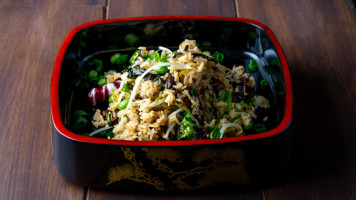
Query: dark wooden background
{"x": 317, "y": 36}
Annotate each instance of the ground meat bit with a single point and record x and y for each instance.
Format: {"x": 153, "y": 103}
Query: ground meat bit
{"x": 240, "y": 95}
{"x": 217, "y": 85}
{"x": 180, "y": 116}
{"x": 206, "y": 57}
{"x": 186, "y": 48}
{"x": 177, "y": 54}
{"x": 169, "y": 82}
{"x": 138, "y": 96}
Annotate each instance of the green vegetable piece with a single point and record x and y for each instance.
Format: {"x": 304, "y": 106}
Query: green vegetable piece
{"x": 102, "y": 82}
{"x": 84, "y": 34}
{"x": 194, "y": 92}
{"x": 248, "y": 126}
{"x": 278, "y": 85}
{"x": 85, "y": 134}
{"x": 83, "y": 44}
{"x": 110, "y": 134}
{"x": 253, "y": 65}
{"x": 134, "y": 56}
{"x": 81, "y": 84}
{"x": 154, "y": 56}
{"x": 235, "y": 118}
{"x": 84, "y": 85}
{"x": 218, "y": 56}
{"x": 260, "y": 128}
{"x": 111, "y": 71}
{"x": 215, "y": 133}
{"x": 222, "y": 95}
{"x": 118, "y": 58}
{"x": 263, "y": 83}
{"x": 207, "y": 44}
{"x": 206, "y": 53}
{"x": 92, "y": 74}
{"x": 110, "y": 119}
{"x": 123, "y": 104}
{"x": 163, "y": 58}
{"x": 98, "y": 63}
{"x": 187, "y": 126}
{"x": 111, "y": 99}
{"x": 275, "y": 62}
{"x": 79, "y": 113}
{"x": 80, "y": 123}
{"x": 252, "y": 35}
{"x": 228, "y": 100}
{"x": 131, "y": 39}
{"x": 161, "y": 70}
{"x": 127, "y": 87}
{"x": 83, "y": 74}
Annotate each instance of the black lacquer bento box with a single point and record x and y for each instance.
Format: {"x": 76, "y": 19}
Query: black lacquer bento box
{"x": 193, "y": 165}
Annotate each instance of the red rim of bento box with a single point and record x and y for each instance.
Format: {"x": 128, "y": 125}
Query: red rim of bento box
{"x": 56, "y": 116}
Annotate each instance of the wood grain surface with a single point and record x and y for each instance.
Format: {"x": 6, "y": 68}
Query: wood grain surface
{"x": 318, "y": 38}
{"x": 30, "y": 39}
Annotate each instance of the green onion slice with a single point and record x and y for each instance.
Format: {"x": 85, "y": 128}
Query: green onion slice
{"x": 248, "y": 126}
{"x": 260, "y": 128}
{"x": 92, "y": 74}
{"x": 235, "y": 118}
{"x": 194, "y": 92}
{"x": 253, "y": 65}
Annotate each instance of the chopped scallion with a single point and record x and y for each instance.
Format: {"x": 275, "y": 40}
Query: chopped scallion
{"x": 206, "y": 44}
{"x": 102, "y": 82}
{"x": 80, "y": 113}
{"x": 263, "y": 83}
{"x": 80, "y": 123}
{"x": 131, "y": 39}
{"x": 83, "y": 74}
{"x": 218, "y": 56}
{"x": 194, "y": 92}
{"x": 134, "y": 55}
{"x": 118, "y": 58}
{"x": 222, "y": 95}
{"x": 235, "y": 118}
{"x": 228, "y": 101}
{"x": 260, "y": 128}
{"x": 249, "y": 126}
{"x": 253, "y": 65}
{"x": 127, "y": 87}
{"x": 92, "y": 74}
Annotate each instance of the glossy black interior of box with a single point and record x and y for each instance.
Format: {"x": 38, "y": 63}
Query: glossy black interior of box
{"x": 238, "y": 41}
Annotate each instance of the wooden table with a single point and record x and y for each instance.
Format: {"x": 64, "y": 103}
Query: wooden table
{"x": 317, "y": 36}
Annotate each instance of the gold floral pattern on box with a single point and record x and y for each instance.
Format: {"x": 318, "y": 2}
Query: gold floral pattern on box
{"x": 206, "y": 167}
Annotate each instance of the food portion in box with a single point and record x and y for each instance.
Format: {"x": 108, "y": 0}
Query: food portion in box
{"x": 163, "y": 95}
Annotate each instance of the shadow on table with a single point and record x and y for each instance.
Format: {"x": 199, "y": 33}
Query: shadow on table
{"x": 319, "y": 144}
